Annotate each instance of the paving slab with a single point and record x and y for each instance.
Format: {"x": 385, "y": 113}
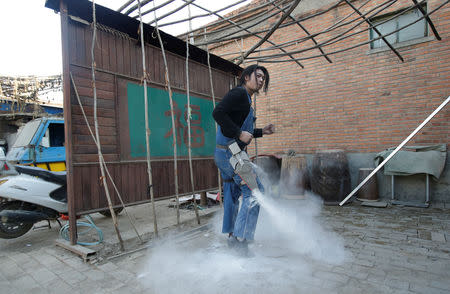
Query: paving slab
{"x": 384, "y": 250}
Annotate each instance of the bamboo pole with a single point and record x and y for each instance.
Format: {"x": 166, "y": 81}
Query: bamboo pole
{"x": 329, "y": 29}
{"x": 254, "y": 126}
{"x": 100, "y": 156}
{"x": 174, "y": 128}
{"x": 170, "y": 12}
{"x": 191, "y": 172}
{"x": 15, "y": 96}
{"x": 442, "y": 105}
{"x": 240, "y": 49}
{"x": 125, "y": 5}
{"x": 103, "y": 159}
{"x": 135, "y": 6}
{"x": 306, "y": 31}
{"x": 256, "y": 35}
{"x": 430, "y": 23}
{"x": 272, "y": 30}
{"x": 150, "y": 10}
{"x": 342, "y": 36}
{"x": 286, "y": 24}
{"x": 235, "y": 16}
{"x": 372, "y": 26}
{"x": 199, "y": 15}
{"x": 191, "y": 40}
{"x": 253, "y": 21}
{"x": 219, "y": 180}
{"x": 147, "y": 129}
{"x": 351, "y": 47}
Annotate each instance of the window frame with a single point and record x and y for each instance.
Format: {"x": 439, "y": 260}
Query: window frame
{"x": 397, "y": 44}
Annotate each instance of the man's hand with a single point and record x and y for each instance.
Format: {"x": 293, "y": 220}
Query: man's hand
{"x": 269, "y": 129}
{"x": 245, "y": 137}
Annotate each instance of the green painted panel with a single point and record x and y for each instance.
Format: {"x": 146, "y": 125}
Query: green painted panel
{"x": 203, "y": 130}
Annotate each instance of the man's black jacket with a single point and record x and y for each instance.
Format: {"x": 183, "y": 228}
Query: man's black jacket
{"x": 231, "y": 112}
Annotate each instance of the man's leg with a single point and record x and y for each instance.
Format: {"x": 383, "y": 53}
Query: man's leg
{"x": 247, "y": 218}
{"x": 230, "y": 205}
{"x": 231, "y": 191}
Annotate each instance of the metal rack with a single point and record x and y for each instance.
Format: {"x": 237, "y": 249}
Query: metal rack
{"x": 409, "y": 203}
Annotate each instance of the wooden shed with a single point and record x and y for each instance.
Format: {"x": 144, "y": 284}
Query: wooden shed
{"x": 120, "y": 108}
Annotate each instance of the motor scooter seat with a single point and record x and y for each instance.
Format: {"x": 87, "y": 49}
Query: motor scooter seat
{"x": 54, "y": 177}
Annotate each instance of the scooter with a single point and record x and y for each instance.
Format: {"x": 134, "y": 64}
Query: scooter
{"x": 33, "y": 195}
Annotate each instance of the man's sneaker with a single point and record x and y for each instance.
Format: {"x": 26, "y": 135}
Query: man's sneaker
{"x": 232, "y": 242}
{"x": 242, "y": 249}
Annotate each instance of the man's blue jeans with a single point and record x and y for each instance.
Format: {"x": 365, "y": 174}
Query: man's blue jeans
{"x": 240, "y": 222}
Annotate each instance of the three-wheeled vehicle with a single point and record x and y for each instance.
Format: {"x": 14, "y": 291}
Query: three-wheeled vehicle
{"x": 40, "y": 143}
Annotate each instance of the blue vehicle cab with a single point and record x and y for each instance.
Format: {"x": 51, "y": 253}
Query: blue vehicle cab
{"x": 40, "y": 143}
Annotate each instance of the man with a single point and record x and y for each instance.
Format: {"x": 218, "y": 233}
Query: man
{"x": 235, "y": 118}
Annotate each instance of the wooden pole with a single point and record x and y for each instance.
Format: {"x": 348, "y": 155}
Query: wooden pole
{"x": 68, "y": 121}
{"x": 191, "y": 172}
{"x": 203, "y": 199}
{"x": 99, "y": 151}
{"x": 103, "y": 159}
{"x": 219, "y": 180}
{"x": 174, "y": 128}
{"x": 147, "y": 129}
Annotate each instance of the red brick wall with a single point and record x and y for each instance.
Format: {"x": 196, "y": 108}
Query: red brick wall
{"x": 361, "y": 102}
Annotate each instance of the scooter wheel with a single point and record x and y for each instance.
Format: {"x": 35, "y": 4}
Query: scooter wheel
{"x": 107, "y": 213}
{"x": 10, "y": 230}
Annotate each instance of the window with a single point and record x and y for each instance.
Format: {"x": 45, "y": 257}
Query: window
{"x": 385, "y": 26}
{"x": 27, "y": 133}
{"x": 56, "y": 134}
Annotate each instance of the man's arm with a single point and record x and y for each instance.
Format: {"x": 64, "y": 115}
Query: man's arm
{"x": 267, "y": 130}
{"x": 257, "y": 133}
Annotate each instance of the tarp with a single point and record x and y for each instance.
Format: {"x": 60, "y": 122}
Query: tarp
{"x": 414, "y": 160}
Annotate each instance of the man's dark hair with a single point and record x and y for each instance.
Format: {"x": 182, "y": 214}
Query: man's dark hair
{"x": 251, "y": 69}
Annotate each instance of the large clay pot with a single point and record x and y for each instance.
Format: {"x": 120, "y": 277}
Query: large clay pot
{"x": 294, "y": 177}
{"x": 369, "y": 191}
{"x": 330, "y": 176}
{"x": 270, "y": 165}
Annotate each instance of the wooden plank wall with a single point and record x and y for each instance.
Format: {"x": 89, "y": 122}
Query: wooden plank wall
{"x": 119, "y": 57}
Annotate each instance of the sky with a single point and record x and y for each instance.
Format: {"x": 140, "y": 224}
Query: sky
{"x": 31, "y": 33}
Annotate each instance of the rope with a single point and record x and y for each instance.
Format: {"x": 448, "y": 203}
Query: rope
{"x": 64, "y": 231}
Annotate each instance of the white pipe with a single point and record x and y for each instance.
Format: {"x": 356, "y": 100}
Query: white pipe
{"x": 396, "y": 150}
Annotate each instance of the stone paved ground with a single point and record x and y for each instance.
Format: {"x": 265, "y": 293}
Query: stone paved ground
{"x": 391, "y": 250}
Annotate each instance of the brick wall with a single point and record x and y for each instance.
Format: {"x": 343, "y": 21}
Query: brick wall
{"x": 361, "y": 102}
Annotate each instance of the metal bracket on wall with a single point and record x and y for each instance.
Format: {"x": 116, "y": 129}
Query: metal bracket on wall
{"x": 408, "y": 203}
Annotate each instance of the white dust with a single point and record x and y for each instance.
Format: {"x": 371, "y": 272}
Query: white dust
{"x": 291, "y": 246}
